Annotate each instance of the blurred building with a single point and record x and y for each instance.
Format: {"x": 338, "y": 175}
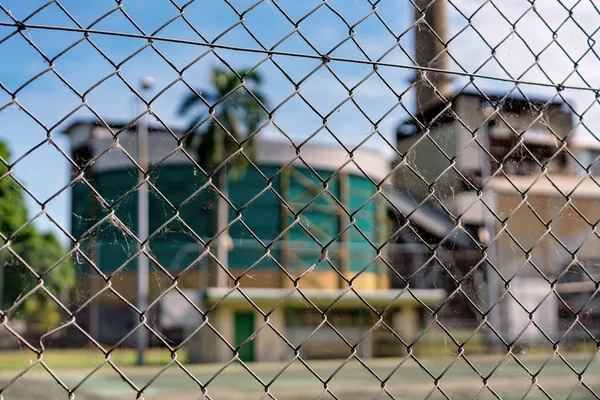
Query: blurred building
{"x": 544, "y": 201}
{"x": 523, "y": 135}
{"x": 285, "y": 211}
{"x": 519, "y": 154}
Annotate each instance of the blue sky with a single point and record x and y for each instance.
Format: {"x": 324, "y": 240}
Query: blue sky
{"x": 45, "y": 171}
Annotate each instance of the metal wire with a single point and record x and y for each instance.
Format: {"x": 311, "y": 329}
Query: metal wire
{"x": 433, "y": 246}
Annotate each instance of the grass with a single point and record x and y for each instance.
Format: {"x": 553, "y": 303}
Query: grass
{"x": 437, "y": 342}
{"x": 88, "y": 358}
{"x": 84, "y": 358}
{"x": 434, "y": 344}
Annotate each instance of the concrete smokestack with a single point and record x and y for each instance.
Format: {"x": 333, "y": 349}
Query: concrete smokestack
{"x": 431, "y": 36}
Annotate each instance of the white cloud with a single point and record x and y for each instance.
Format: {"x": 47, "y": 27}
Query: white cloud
{"x": 533, "y": 35}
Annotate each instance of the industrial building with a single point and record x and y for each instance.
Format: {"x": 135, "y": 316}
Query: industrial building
{"x": 316, "y": 220}
{"x": 484, "y": 169}
{"x": 505, "y": 164}
{"x": 285, "y": 211}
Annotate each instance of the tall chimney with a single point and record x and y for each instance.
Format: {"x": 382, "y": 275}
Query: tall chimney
{"x": 431, "y": 37}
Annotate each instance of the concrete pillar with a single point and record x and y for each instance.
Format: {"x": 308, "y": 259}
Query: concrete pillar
{"x": 223, "y": 323}
{"x": 406, "y": 323}
{"x": 268, "y": 345}
{"x": 206, "y": 346}
{"x": 195, "y": 345}
{"x": 365, "y": 349}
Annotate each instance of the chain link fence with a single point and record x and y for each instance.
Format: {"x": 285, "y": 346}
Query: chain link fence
{"x": 299, "y": 199}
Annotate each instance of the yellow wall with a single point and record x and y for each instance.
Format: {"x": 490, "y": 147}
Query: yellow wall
{"x": 125, "y": 283}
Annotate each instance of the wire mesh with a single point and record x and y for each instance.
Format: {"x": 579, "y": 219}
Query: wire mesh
{"x": 409, "y": 190}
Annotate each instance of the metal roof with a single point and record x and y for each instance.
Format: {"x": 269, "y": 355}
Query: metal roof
{"x": 324, "y": 297}
{"x": 432, "y": 220}
{"x": 515, "y": 102}
{"x": 277, "y": 151}
{"x": 153, "y": 127}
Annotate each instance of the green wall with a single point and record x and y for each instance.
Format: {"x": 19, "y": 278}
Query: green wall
{"x": 264, "y": 217}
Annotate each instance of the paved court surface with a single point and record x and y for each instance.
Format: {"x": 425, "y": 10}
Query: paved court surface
{"x": 352, "y": 382}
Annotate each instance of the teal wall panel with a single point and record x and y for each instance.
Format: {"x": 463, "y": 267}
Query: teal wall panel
{"x": 362, "y": 253}
{"x": 260, "y": 211}
{"x": 176, "y": 246}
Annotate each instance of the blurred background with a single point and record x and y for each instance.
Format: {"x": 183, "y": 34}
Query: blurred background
{"x": 291, "y": 199}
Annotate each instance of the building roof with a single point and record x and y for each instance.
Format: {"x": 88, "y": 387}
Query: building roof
{"x": 324, "y": 297}
{"x": 116, "y": 125}
{"x": 433, "y": 221}
{"x": 275, "y": 151}
{"x": 516, "y": 98}
{"x": 514, "y": 103}
{"x": 548, "y": 185}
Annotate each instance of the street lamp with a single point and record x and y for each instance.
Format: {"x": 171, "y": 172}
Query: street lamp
{"x": 143, "y": 271}
{"x": 488, "y": 232}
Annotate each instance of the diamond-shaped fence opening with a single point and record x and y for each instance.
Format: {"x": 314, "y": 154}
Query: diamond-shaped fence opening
{"x": 282, "y": 199}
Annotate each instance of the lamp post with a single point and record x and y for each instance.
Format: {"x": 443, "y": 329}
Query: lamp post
{"x": 487, "y": 234}
{"x": 143, "y": 270}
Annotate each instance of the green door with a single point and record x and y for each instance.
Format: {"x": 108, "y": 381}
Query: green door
{"x": 244, "y": 328}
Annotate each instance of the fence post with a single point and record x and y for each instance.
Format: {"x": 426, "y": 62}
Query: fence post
{"x": 143, "y": 228}
{"x": 489, "y": 224}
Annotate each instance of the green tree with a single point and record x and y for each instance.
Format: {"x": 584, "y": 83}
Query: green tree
{"x": 41, "y": 251}
{"x": 13, "y": 213}
{"x": 236, "y": 114}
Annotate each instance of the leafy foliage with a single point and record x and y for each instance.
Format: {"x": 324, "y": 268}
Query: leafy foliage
{"x": 236, "y": 114}
{"x": 40, "y": 251}
{"x": 13, "y": 213}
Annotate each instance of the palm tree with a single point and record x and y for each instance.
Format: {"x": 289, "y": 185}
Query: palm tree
{"x": 236, "y": 115}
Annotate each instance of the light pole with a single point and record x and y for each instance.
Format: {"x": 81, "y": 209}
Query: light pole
{"x": 488, "y": 234}
{"x": 143, "y": 271}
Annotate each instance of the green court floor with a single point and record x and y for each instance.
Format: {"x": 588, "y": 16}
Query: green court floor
{"x": 352, "y": 382}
